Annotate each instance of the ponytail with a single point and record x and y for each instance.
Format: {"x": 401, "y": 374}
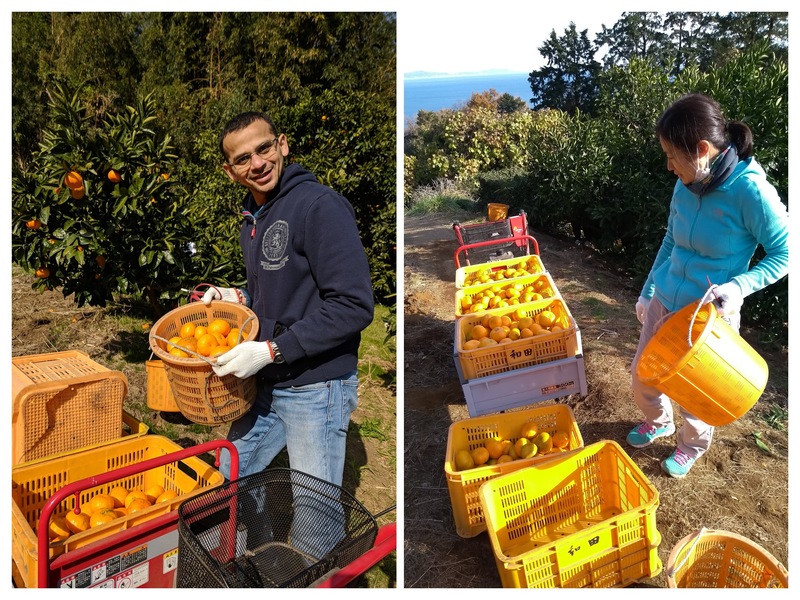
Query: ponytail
{"x": 741, "y": 137}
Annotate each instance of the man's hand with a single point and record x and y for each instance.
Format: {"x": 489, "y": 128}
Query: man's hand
{"x": 224, "y": 294}
{"x": 728, "y": 297}
{"x": 244, "y": 359}
{"x": 641, "y": 308}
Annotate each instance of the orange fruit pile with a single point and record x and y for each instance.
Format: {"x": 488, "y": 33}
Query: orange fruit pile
{"x": 501, "y": 329}
{"x": 503, "y": 294}
{"x": 106, "y": 507}
{"x": 520, "y": 268}
{"x": 206, "y": 340}
{"x": 531, "y": 442}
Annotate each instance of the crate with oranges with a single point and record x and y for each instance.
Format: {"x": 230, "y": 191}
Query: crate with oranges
{"x": 104, "y": 510}
{"x": 505, "y": 293}
{"x": 498, "y": 270}
{"x": 481, "y": 448}
{"x": 505, "y": 339}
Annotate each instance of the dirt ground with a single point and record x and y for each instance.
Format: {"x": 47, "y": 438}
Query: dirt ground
{"x": 48, "y": 322}
{"x": 735, "y": 486}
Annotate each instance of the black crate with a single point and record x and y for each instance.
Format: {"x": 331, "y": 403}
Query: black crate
{"x": 482, "y": 232}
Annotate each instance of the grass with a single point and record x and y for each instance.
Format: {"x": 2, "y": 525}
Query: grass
{"x": 442, "y": 196}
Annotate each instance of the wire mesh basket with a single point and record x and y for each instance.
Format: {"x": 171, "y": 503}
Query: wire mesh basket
{"x": 275, "y": 528}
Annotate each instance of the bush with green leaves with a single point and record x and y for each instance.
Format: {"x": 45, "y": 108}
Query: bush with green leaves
{"x": 125, "y": 235}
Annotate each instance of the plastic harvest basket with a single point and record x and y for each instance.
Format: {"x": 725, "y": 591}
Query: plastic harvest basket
{"x": 131, "y": 428}
{"x": 274, "y": 528}
{"x": 711, "y": 558}
{"x": 533, "y": 266}
{"x": 541, "y": 283}
{"x": 33, "y": 485}
{"x": 63, "y": 401}
{"x": 201, "y": 396}
{"x": 586, "y": 519}
{"x": 469, "y": 434}
{"x": 718, "y": 378}
{"x": 523, "y": 352}
{"x": 159, "y": 394}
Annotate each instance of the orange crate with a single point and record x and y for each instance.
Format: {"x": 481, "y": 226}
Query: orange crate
{"x": 469, "y": 434}
{"x": 159, "y": 394}
{"x": 523, "y": 352}
{"x": 33, "y": 485}
{"x": 63, "y": 401}
{"x": 541, "y": 283}
{"x": 497, "y": 268}
{"x": 585, "y": 519}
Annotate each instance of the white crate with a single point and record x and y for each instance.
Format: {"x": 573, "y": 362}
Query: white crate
{"x": 522, "y": 387}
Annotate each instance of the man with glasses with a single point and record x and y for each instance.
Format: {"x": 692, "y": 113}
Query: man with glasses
{"x": 308, "y": 281}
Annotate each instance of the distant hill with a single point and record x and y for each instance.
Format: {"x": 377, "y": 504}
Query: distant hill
{"x": 432, "y": 74}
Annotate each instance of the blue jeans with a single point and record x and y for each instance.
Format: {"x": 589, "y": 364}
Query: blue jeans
{"x": 310, "y": 421}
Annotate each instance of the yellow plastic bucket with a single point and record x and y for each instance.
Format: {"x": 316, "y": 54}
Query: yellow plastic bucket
{"x": 717, "y": 377}
{"x": 498, "y": 212}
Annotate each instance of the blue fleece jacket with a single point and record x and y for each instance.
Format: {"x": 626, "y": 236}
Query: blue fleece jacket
{"x": 716, "y": 235}
{"x": 308, "y": 279}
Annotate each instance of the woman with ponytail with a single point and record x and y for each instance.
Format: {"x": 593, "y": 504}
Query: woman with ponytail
{"x": 722, "y": 209}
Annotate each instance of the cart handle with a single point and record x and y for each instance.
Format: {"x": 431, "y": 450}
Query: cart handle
{"x": 385, "y": 543}
{"x": 525, "y": 237}
{"x": 77, "y": 487}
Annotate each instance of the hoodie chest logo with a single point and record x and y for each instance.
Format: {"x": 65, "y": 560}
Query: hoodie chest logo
{"x": 273, "y": 246}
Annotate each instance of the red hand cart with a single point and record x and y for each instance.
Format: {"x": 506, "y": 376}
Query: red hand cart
{"x": 494, "y": 240}
{"x": 146, "y": 554}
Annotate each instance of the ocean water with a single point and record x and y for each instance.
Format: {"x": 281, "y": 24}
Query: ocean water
{"x": 436, "y": 93}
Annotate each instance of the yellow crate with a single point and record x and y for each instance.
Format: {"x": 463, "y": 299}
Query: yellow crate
{"x": 131, "y": 428}
{"x": 159, "y": 394}
{"x": 586, "y": 519}
{"x": 469, "y": 434}
{"x": 542, "y": 283}
{"x": 463, "y": 274}
{"x": 33, "y": 485}
{"x": 63, "y": 401}
{"x": 523, "y": 352}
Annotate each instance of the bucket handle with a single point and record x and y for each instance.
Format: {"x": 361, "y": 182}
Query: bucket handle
{"x": 694, "y": 314}
{"x": 200, "y": 356}
{"x": 674, "y": 568}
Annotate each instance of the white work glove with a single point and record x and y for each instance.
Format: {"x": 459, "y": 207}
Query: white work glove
{"x": 244, "y": 359}
{"x": 728, "y": 298}
{"x": 641, "y": 308}
{"x": 224, "y": 294}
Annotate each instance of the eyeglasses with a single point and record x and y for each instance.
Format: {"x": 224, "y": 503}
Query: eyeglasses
{"x": 265, "y": 150}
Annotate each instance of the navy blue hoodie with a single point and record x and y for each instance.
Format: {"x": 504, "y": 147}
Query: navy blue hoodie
{"x": 308, "y": 279}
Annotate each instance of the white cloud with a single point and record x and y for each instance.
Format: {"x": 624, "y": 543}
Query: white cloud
{"x": 454, "y": 40}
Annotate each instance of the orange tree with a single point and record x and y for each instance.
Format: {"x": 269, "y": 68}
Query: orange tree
{"x": 95, "y": 211}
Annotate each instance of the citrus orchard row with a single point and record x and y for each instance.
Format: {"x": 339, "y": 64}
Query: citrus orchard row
{"x": 501, "y": 329}
{"x": 212, "y": 340}
{"x": 531, "y": 442}
{"x": 105, "y": 508}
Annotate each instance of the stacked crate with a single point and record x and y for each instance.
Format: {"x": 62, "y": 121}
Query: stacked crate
{"x": 526, "y": 370}
{"x": 565, "y": 517}
{"x": 69, "y": 428}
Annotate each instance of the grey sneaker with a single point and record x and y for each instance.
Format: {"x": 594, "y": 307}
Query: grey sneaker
{"x": 643, "y": 434}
